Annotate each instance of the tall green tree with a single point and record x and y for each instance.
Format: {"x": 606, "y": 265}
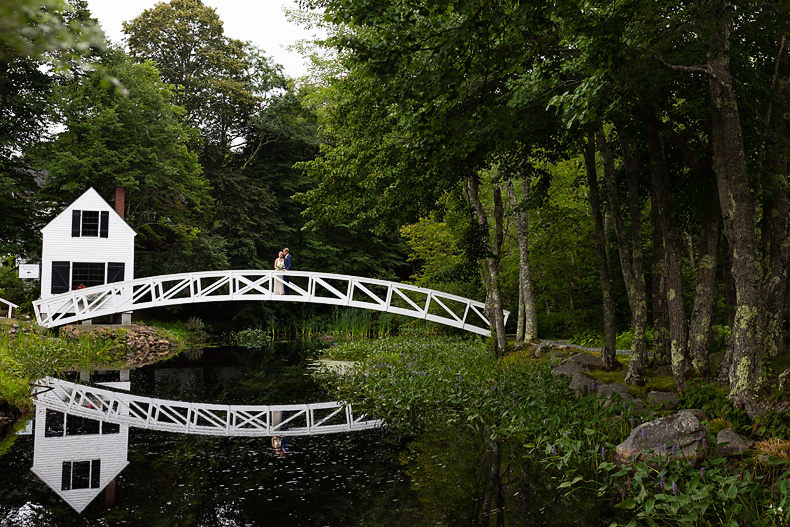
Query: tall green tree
{"x": 218, "y": 80}
{"x": 134, "y": 138}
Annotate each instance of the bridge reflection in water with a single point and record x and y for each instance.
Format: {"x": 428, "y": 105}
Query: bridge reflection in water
{"x": 82, "y": 432}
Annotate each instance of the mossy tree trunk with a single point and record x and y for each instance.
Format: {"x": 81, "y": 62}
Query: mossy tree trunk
{"x": 608, "y": 352}
{"x": 738, "y": 211}
{"x": 705, "y": 292}
{"x": 493, "y": 244}
{"x": 674, "y": 289}
{"x": 630, "y": 258}
{"x": 661, "y": 335}
{"x": 776, "y": 204}
{"x": 521, "y": 220}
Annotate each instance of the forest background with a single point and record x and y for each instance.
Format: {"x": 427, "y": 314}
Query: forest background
{"x": 596, "y": 167}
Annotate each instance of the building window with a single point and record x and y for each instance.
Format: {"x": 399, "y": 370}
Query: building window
{"x": 90, "y": 223}
{"x": 86, "y": 274}
{"x": 81, "y": 475}
{"x": 58, "y": 424}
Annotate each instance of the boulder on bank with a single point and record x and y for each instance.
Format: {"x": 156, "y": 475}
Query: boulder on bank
{"x": 676, "y": 436}
{"x": 143, "y": 344}
{"x": 664, "y": 400}
{"x": 569, "y": 369}
{"x": 588, "y": 361}
{"x": 728, "y": 441}
{"x": 582, "y": 384}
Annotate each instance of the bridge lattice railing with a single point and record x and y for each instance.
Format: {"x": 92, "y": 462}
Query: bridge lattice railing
{"x": 259, "y": 285}
{"x": 199, "y": 418}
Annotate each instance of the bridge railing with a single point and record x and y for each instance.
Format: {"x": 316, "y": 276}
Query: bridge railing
{"x": 199, "y": 418}
{"x": 262, "y": 285}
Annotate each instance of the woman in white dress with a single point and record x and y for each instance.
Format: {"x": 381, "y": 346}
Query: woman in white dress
{"x": 279, "y": 265}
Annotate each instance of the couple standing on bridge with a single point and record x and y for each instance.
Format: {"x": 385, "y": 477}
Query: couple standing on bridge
{"x": 282, "y": 263}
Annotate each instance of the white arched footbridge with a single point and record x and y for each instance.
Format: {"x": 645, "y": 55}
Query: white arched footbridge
{"x": 258, "y": 285}
{"x": 198, "y": 418}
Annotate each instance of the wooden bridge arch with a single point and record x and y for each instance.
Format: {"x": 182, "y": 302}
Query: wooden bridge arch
{"x": 258, "y": 285}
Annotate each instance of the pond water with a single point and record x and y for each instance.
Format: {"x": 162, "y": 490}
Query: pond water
{"x": 366, "y": 478}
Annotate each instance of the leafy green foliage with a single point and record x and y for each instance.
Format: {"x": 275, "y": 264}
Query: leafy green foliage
{"x": 773, "y": 424}
{"x": 26, "y": 357}
{"x": 422, "y": 385}
{"x": 712, "y": 399}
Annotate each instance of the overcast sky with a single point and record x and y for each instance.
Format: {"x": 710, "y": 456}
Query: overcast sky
{"x": 261, "y": 22}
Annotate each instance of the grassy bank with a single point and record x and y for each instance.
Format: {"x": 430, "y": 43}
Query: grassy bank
{"x": 32, "y": 353}
{"x": 420, "y": 385}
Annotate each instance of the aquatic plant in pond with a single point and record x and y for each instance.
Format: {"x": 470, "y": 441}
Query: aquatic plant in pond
{"x": 419, "y": 384}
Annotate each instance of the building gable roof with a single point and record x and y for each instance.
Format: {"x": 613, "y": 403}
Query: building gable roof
{"x": 93, "y": 199}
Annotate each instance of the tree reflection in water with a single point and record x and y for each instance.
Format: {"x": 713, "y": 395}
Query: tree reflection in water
{"x": 467, "y": 479}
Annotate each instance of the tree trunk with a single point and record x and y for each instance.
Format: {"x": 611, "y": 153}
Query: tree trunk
{"x": 661, "y": 335}
{"x": 522, "y": 313}
{"x": 705, "y": 294}
{"x": 492, "y": 484}
{"x": 738, "y": 212}
{"x": 638, "y": 343}
{"x": 637, "y": 298}
{"x": 521, "y": 219}
{"x": 677, "y": 312}
{"x": 493, "y": 291}
{"x": 608, "y": 352}
{"x": 776, "y": 208}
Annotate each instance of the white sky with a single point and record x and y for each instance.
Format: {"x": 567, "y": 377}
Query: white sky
{"x": 261, "y": 22}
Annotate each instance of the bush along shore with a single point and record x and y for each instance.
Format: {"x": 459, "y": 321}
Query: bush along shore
{"x": 653, "y": 458}
{"x": 29, "y": 352}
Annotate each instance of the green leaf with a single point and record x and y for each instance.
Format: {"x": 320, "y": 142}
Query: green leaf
{"x": 732, "y": 491}
{"x": 627, "y": 504}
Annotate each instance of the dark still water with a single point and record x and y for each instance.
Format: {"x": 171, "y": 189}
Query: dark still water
{"x": 179, "y": 479}
{"x": 121, "y": 475}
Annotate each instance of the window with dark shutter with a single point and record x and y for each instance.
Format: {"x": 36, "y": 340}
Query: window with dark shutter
{"x": 90, "y": 223}
{"x": 76, "y": 223}
{"x": 95, "y": 473}
{"x": 61, "y": 272}
{"x": 80, "y": 475}
{"x": 87, "y": 274}
{"x": 115, "y": 272}
{"x": 104, "y": 224}
{"x": 65, "y": 481}
{"x": 54, "y": 423}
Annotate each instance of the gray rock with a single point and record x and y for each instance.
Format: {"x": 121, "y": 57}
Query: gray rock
{"x": 728, "y": 441}
{"x": 784, "y": 380}
{"x": 569, "y": 369}
{"x": 679, "y": 435}
{"x": 541, "y": 350}
{"x": 635, "y": 403}
{"x": 607, "y": 391}
{"x": 581, "y": 383}
{"x": 588, "y": 361}
{"x": 664, "y": 400}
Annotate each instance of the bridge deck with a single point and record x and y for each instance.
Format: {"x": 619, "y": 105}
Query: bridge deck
{"x": 258, "y": 285}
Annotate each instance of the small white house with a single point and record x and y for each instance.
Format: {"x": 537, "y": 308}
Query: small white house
{"x": 87, "y": 244}
{"x": 78, "y": 457}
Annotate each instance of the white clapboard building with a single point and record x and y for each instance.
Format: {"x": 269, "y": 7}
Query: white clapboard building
{"x": 77, "y": 457}
{"x": 87, "y": 244}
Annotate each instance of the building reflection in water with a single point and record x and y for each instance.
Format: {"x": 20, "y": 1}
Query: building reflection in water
{"x": 78, "y": 457}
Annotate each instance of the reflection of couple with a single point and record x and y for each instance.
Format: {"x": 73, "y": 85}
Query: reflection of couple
{"x": 279, "y": 443}
{"x": 282, "y": 263}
